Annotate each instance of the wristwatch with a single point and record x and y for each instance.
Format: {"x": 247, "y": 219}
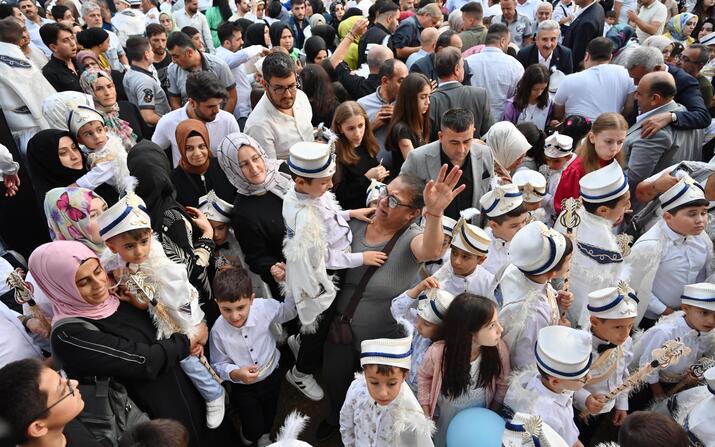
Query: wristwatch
{"x": 673, "y": 117}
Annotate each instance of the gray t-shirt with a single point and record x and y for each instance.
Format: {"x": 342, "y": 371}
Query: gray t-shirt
{"x": 519, "y": 28}
{"x": 177, "y": 76}
{"x": 144, "y": 90}
{"x": 372, "y": 318}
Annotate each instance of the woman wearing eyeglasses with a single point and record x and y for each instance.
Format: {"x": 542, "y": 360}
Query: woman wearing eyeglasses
{"x": 124, "y": 347}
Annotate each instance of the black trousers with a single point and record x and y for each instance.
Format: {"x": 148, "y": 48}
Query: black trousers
{"x": 256, "y": 405}
{"x": 340, "y": 362}
{"x": 310, "y": 355}
{"x": 596, "y": 429}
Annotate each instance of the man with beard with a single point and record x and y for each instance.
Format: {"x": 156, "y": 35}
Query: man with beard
{"x": 205, "y": 94}
{"x": 283, "y": 115}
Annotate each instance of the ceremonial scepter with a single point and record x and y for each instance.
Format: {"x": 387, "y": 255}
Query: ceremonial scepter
{"x": 697, "y": 370}
{"x": 143, "y": 290}
{"x": 569, "y": 219}
{"x": 668, "y": 354}
{"x": 24, "y": 295}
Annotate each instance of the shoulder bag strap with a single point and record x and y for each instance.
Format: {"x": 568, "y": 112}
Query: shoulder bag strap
{"x": 360, "y": 289}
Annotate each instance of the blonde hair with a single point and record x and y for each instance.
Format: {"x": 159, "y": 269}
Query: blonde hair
{"x": 587, "y": 150}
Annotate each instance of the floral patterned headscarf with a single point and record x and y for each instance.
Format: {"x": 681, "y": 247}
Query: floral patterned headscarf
{"x": 676, "y": 25}
{"x": 67, "y": 211}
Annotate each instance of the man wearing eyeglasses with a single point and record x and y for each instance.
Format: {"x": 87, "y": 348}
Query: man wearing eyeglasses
{"x": 40, "y": 406}
{"x": 283, "y": 115}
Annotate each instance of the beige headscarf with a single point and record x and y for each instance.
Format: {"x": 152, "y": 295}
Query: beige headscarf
{"x": 507, "y": 143}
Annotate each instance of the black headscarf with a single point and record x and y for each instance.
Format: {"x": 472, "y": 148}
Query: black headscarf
{"x": 244, "y": 24}
{"x": 276, "y": 30}
{"x": 254, "y": 35}
{"x": 327, "y": 32}
{"x": 92, "y": 37}
{"x": 46, "y": 170}
{"x": 312, "y": 47}
{"x": 148, "y": 163}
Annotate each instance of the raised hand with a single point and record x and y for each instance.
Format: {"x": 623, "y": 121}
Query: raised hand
{"x": 439, "y": 193}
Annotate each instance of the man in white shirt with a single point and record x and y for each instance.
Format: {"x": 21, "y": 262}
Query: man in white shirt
{"x": 494, "y": 70}
{"x": 231, "y": 38}
{"x": 205, "y": 94}
{"x": 191, "y": 16}
{"x": 92, "y": 16}
{"x": 150, "y": 10}
{"x": 33, "y": 22}
{"x": 622, "y": 7}
{"x": 283, "y": 115}
{"x": 650, "y": 19}
{"x": 527, "y": 8}
{"x": 583, "y": 93}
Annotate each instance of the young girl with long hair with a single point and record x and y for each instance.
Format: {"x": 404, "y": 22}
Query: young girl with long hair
{"x": 410, "y": 125}
{"x": 602, "y": 145}
{"x": 356, "y": 150}
{"x": 469, "y": 367}
{"x": 531, "y": 102}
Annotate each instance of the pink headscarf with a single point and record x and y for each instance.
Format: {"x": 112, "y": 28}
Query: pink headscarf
{"x": 54, "y": 266}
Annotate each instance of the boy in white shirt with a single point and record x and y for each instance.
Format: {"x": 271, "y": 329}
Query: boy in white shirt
{"x": 430, "y": 267}
{"x": 698, "y": 422}
{"x": 674, "y": 252}
{"x": 505, "y": 214}
{"x": 558, "y": 153}
{"x": 219, "y": 212}
{"x": 380, "y": 410}
{"x": 244, "y": 352}
{"x": 530, "y": 303}
{"x": 532, "y": 185}
{"x": 563, "y": 360}
{"x": 613, "y": 313}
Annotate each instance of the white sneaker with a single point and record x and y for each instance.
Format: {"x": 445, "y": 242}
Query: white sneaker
{"x": 264, "y": 440}
{"x": 306, "y": 384}
{"x": 294, "y": 345}
{"x": 215, "y": 411}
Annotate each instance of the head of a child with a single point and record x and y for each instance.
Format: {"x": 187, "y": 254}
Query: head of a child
{"x": 156, "y": 433}
{"x": 93, "y": 135}
{"x": 557, "y": 163}
{"x": 507, "y": 225}
{"x": 651, "y": 429}
{"x": 427, "y": 329}
{"x": 384, "y": 382}
{"x": 688, "y": 219}
{"x": 446, "y": 242}
{"x": 559, "y": 385}
{"x": 611, "y": 17}
{"x": 699, "y": 318}
{"x": 559, "y": 269}
{"x": 612, "y": 210}
{"x": 37, "y": 402}
{"x": 234, "y": 294}
{"x": 614, "y": 331}
{"x": 312, "y": 166}
{"x": 471, "y": 330}
{"x": 220, "y": 231}
{"x": 313, "y": 187}
{"x": 352, "y": 126}
{"x": 463, "y": 262}
{"x": 132, "y": 246}
{"x": 603, "y": 142}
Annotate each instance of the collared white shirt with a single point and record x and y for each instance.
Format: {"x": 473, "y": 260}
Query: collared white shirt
{"x": 545, "y": 62}
{"x": 624, "y": 355}
{"x": 498, "y": 255}
{"x": 498, "y": 73}
{"x": 235, "y": 61}
{"x": 152, "y": 16}
{"x": 682, "y": 262}
{"x": 253, "y": 344}
{"x": 275, "y": 131}
{"x": 528, "y": 8}
{"x": 479, "y": 282}
{"x": 556, "y": 409}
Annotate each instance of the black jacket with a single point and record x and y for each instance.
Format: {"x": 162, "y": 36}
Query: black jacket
{"x": 561, "y": 58}
{"x": 425, "y": 65}
{"x": 583, "y": 30}
{"x": 190, "y": 187}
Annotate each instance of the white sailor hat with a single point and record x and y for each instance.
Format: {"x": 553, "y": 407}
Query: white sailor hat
{"x": 532, "y": 185}
{"x": 501, "y": 200}
{"x": 604, "y": 184}
{"x": 536, "y": 248}
{"x": 448, "y": 225}
{"x": 387, "y": 351}
{"x": 311, "y": 160}
{"x": 557, "y": 145}
{"x": 529, "y": 430}
{"x": 708, "y": 39}
{"x": 470, "y": 238}
{"x": 214, "y": 208}
{"x": 699, "y": 423}
{"x": 80, "y": 116}
{"x": 373, "y": 191}
{"x": 563, "y": 352}
{"x": 433, "y": 305}
{"x": 613, "y": 303}
{"x": 291, "y": 429}
{"x": 699, "y": 295}
{"x": 129, "y": 213}
{"x": 685, "y": 191}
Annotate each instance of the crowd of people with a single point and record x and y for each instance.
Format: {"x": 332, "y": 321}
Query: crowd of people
{"x": 461, "y": 223}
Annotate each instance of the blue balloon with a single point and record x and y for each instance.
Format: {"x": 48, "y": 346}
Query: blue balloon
{"x": 475, "y": 427}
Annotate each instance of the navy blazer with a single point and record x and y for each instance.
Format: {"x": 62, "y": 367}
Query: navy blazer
{"x": 586, "y": 27}
{"x": 561, "y": 58}
{"x": 697, "y": 116}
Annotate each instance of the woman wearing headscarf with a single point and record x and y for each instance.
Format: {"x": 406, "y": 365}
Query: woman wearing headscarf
{"x": 257, "y": 34}
{"x": 166, "y": 20}
{"x": 282, "y": 36}
{"x": 509, "y": 147}
{"x": 315, "y": 50}
{"x": 327, "y": 32}
{"x": 88, "y": 59}
{"x": 198, "y": 171}
{"x": 96, "y": 40}
{"x": 121, "y": 117}
{"x": 258, "y": 207}
{"x": 184, "y": 232}
{"x": 55, "y": 160}
{"x": 680, "y": 28}
{"x": 122, "y": 344}
{"x": 345, "y": 26}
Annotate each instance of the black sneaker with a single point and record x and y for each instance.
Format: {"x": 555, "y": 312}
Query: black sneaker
{"x": 325, "y": 431}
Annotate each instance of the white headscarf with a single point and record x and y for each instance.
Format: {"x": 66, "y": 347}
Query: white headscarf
{"x": 227, "y": 154}
{"x": 56, "y": 108}
{"x": 507, "y": 143}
